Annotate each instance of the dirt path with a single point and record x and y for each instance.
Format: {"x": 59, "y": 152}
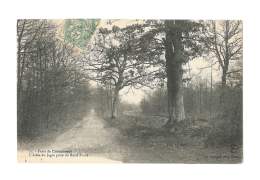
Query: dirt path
{"x": 91, "y": 136}
{"x": 103, "y": 143}
{"x": 90, "y": 133}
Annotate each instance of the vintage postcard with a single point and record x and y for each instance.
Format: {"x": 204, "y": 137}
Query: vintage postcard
{"x": 129, "y": 91}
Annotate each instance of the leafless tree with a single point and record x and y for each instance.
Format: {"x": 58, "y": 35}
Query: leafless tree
{"x": 224, "y": 40}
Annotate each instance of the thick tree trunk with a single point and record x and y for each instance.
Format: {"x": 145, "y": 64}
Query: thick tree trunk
{"x": 175, "y": 104}
{"x": 174, "y": 61}
{"x": 224, "y": 79}
{"x": 180, "y": 111}
{"x": 114, "y": 103}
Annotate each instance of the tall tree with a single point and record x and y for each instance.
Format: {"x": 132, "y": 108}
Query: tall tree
{"x": 115, "y": 60}
{"x": 47, "y": 74}
{"x": 224, "y": 40}
{"x": 179, "y": 41}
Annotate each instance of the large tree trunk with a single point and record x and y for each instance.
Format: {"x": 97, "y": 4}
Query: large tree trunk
{"x": 174, "y": 61}
{"x": 114, "y": 103}
{"x": 180, "y": 111}
{"x": 224, "y": 78}
{"x": 175, "y": 102}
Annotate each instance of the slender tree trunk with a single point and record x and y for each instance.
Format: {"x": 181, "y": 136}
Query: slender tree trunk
{"x": 225, "y": 62}
{"x": 211, "y": 90}
{"x": 224, "y": 79}
{"x": 223, "y": 86}
{"x": 200, "y": 99}
{"x": 19, "y": 78}
{"x": 19, "y": 48}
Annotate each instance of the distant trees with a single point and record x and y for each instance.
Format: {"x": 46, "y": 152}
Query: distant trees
{"x": 155, "y": 103}
{"x": 115, "y": 61}
{"x": 224, "y": 40}
{"x": 47, "y": 75}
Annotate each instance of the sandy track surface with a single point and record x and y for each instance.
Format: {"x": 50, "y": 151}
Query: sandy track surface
{"x": 91, "y": 136}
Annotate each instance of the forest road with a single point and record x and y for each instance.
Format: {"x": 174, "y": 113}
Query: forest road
{"x": 105, "y": 144}
{"x": 91, "y": 136}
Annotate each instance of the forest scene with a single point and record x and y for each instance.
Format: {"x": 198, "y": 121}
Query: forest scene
{"x": 130, "y": 90}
